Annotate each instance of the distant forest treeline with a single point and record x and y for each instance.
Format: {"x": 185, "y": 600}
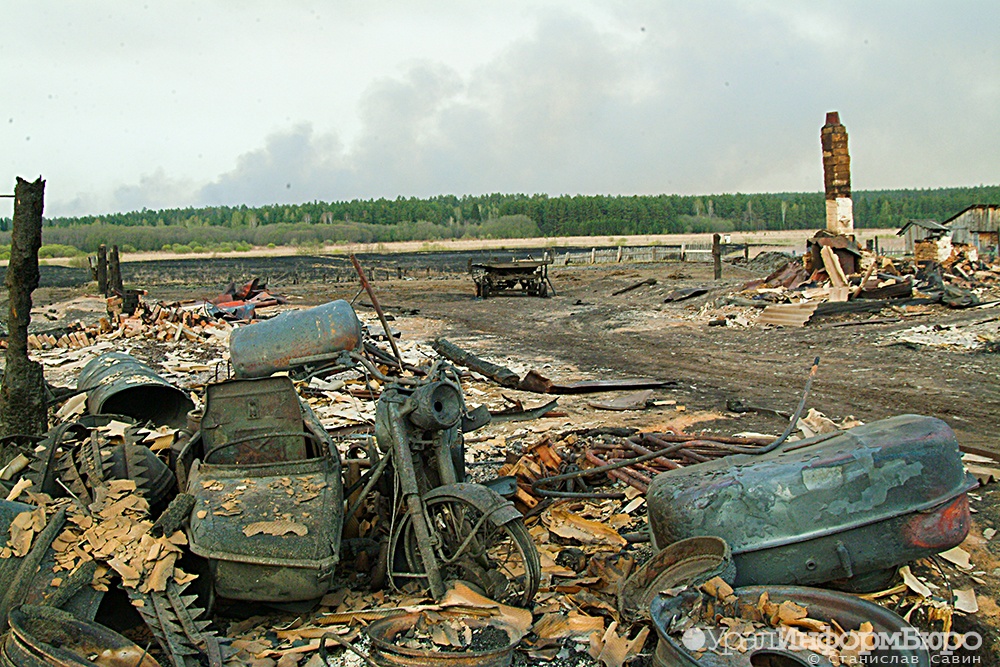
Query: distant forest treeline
{"x": 491, "y": 216}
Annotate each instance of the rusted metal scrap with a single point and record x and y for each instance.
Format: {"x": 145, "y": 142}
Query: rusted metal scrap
{"x": 517, "y": 412}
{"x": 539, "y": 384}
{"x": 388, "y": 650}
{"x": 837, "y": 616}
{"x": 254, "y": 292}
{"x": 378, "y": 309}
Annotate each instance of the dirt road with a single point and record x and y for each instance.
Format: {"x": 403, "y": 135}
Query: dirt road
{"x": 584, "y": 333}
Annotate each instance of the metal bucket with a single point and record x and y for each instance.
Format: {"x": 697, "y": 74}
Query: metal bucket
{"x": 119, "y": 383}
{"x": 293, "y": 338}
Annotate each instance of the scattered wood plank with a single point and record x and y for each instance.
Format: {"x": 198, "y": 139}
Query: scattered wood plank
{"x": 641, "y": 283}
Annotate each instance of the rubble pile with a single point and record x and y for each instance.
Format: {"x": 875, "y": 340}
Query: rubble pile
{"x": 121, "y": 506}
{"x": 802, "y": 291}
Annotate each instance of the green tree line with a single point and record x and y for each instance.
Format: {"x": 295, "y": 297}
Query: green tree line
{"x": 494, "y": 216}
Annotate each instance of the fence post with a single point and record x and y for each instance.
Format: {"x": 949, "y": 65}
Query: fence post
{"x": 717, "y": 256}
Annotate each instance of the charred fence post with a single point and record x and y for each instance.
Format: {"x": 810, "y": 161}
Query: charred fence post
{"x": 115, "y": 273}
{"x": 102, "y": 269}
{"x": 22, "y": 392}
{"x": 717, "y": 256}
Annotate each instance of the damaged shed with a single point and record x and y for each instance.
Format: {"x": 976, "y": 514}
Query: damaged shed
{"x": 978, "y": 224}
{"x": 915, "y": 231}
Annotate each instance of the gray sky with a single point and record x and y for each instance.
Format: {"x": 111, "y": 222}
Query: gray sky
{"x": 124, "y": 105}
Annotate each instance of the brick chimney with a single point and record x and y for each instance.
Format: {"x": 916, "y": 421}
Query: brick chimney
{"x": 837, "y": 176}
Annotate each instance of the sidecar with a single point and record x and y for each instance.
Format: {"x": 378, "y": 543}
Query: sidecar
{"x": 268, "y": 493}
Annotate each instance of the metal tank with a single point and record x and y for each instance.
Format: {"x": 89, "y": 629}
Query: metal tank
{"x": 844, "y": 508}
{"x": 292, "y": 338}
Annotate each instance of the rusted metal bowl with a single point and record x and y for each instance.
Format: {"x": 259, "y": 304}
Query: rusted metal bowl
{"x": 49, "y": 637}
{"x": 386, "y": 652}
{"x": 687, "y": 562}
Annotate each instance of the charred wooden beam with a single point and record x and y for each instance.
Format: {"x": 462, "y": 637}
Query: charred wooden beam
{"x": 115, "y": 284}
{"x": 102, "y": 269}
{"x": 499, "y": 374}
{"x": 22, "y": 392}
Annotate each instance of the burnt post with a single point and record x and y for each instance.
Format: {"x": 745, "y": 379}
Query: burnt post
{"x": 22, "y": 392}
{"x": 717, "y": 256}
{"x": 115, "y": 273}
{"x": 102, "y": 269}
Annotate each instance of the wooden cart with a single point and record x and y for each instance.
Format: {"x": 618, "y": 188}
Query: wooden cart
{"x": 529, "y": 276}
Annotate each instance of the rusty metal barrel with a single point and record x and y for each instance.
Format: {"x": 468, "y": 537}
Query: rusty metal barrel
{"x": 119, "y": 383}
{"x": 298, "y": 336}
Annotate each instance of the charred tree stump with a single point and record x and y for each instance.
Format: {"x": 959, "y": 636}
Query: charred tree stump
{"x": 102, "y": 269}
{"x": 22, "y": 392}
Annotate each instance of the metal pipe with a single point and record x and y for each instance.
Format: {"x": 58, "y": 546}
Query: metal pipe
{"x": 593, "y": 471}
{"x": 681, "y": 447}
{"x": 633, "y": 473}
{"x": 665, "y": 462}
{"x": 378, "y": 310}
{"x": 621, "y": 475}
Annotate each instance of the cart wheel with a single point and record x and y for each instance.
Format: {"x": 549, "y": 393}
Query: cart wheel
{"x": 501, "y": 561}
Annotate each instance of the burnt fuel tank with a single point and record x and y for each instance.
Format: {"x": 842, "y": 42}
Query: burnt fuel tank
{"x": 847, "y": 507}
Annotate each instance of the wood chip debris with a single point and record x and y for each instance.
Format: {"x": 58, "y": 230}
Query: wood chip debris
{"x": 277, "y": 528}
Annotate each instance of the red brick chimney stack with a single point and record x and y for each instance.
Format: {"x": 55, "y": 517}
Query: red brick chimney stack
{"x": 837, "y": 176}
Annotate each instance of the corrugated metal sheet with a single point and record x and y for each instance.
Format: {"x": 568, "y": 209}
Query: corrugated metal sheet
{"x": 788, "y": 314}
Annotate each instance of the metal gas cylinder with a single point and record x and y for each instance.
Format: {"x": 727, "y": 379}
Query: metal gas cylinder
{"x": 260, "y": 349}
